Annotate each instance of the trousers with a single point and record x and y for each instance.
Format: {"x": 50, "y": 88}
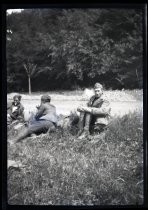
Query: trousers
{"x": 39, "y": 126}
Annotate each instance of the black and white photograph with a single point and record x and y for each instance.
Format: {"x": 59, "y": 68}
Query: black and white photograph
{"x": 75, "y": 106}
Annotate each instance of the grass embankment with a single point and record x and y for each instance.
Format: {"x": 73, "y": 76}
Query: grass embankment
{"x": 61, "y": 170}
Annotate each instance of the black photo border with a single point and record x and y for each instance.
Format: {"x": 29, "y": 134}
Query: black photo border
{"x": 54, "y": 4}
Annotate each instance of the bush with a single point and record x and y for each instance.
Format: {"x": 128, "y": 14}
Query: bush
{"x": 62, "y": 170}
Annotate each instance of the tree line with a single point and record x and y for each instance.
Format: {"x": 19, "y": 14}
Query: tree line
{"x": 74, "y": 48}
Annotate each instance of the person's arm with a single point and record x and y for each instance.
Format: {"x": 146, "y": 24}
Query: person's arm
{"x": 87, "y": 107}
{"x": 103, "y": 110}
{"x": 21, "y": 113}
{"x": 38, "y": 106}
{"x": 40, "y": 112}
{"x": 21, "y": 110}
{"x": 18, "y": 114}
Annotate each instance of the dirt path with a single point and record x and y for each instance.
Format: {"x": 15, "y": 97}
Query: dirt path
{"x": 65, "y": 107}
{"x": 121, "y": 102}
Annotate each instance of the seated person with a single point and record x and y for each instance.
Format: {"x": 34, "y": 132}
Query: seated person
{"x": 15, "y": 110}
{"x": 45, "y": 119}
{"x": 95, "y": 115}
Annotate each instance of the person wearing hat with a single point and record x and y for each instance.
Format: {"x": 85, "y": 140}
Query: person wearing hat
{"x": 44, "y": 119}
{"x": 15, "y": 110}
{"x": 94, "y": 116}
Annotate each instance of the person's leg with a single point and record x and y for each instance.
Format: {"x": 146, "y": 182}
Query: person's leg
{"x": 92, "y": 124}
{"x": 32, "y": 128}
{"x": 51, "y": 127}
{"x": 86, "y": 132}
{"x": 88, "y": 118}
{"x": 102, "y": 128}
{"x": 37, "y": 127}
{"x": 99, "y": 128}
{"x": 81, "y": 123}
{"x": 31, "y": 119}
{"x": 23, "y": 134}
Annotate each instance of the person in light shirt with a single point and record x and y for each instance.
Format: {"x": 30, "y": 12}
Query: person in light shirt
{"x": 94, "y": 116}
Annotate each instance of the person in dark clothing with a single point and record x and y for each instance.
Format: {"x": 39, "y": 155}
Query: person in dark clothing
{"x": 96, "y": 114}
{"x": 45, "y": 119}
{"x": 15, "y": 110}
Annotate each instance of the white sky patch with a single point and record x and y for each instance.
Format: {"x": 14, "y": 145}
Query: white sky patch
{"x": 9, "y": 11}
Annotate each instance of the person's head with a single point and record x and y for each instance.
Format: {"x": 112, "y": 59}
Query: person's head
{"x": 98, "y": 88}
{"x": 45, "y": 98}
{"x": 17, "y": 99}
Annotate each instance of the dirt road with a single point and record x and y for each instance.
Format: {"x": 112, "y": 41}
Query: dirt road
{"x": 65, "y": 107}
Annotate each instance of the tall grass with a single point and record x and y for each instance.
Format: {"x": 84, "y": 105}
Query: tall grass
{"x": 59, "y": 169}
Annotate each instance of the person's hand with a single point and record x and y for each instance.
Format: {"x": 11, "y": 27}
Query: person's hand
{"x": 38, "y": 106}
{"x": 87, "y": 109}
{"x": 80, "y": 109}
{"x": 84, "y": 109}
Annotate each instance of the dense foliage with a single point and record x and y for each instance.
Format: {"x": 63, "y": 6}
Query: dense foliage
{"x": 72, "y": 48}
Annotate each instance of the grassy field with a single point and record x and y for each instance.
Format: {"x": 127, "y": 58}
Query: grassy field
{"x": 59, "y": 169}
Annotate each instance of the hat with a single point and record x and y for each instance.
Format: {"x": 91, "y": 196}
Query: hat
{"x": 17, "y": 96}
{"x": 98, "y": 86}
{"x": 45, "y": 98}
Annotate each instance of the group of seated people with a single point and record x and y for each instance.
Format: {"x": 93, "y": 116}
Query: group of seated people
{"x": 94, "y": 115}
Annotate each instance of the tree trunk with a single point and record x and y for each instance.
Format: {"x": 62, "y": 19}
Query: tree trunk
{"x": 29, "y": 83}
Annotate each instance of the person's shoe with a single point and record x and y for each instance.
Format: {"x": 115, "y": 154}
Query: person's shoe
{"x": 33, "y": 135}
{"x": 84, "y": 134}
{"x": 79, "y": 133}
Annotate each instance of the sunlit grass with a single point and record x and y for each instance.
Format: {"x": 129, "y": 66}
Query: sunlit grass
{"x": 59, "y": 169}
